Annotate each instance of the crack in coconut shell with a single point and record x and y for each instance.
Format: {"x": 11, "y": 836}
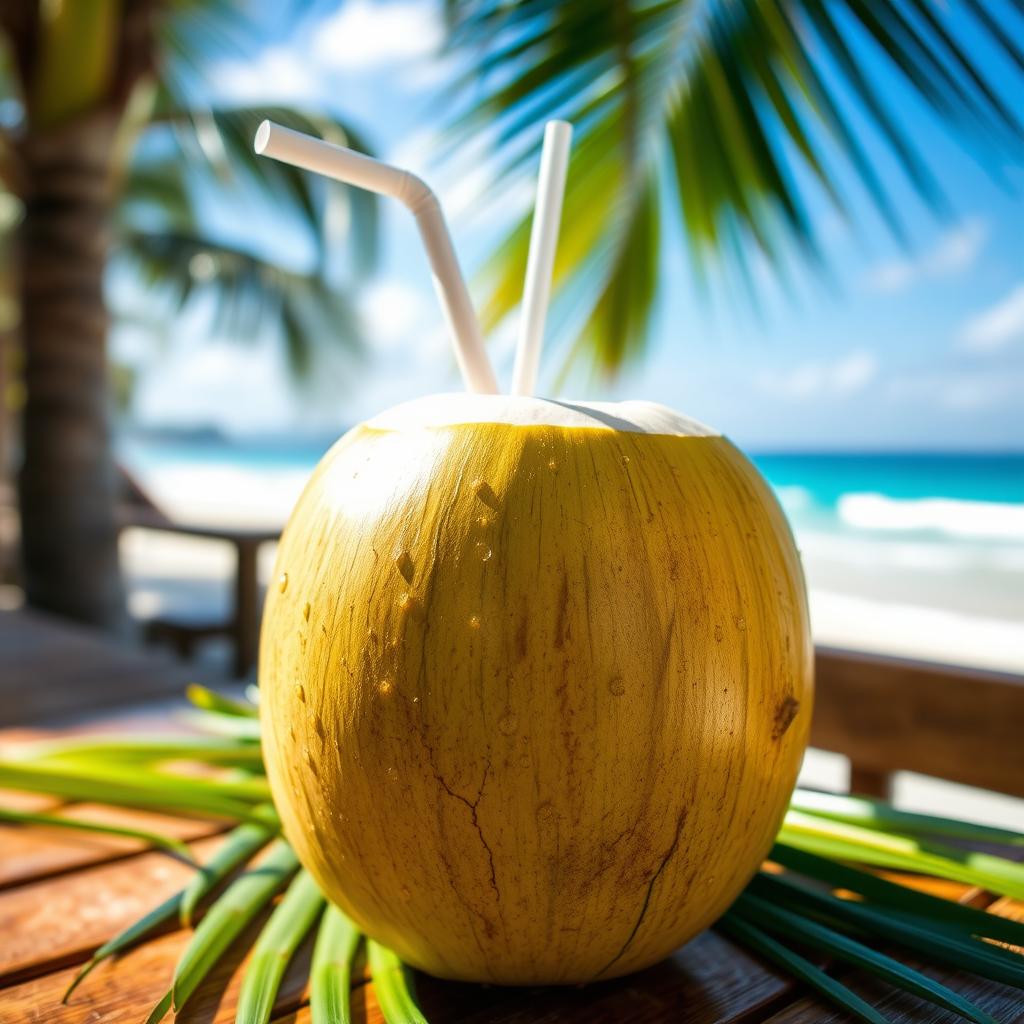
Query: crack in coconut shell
{"x": 680, "y": 821}
{"x": 471, "y": 805}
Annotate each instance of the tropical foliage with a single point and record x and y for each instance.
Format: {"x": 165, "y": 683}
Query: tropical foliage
{"x": 179, "y": 153}
{"x": 112, "y": 155}
{"x": 811, "y": 901}
{"x": 728, "y": 115}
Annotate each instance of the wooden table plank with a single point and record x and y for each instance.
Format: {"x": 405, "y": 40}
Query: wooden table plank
{"x": 61, "y": 921}
{"x": 709, "y": 981}
{"x": 32, "y": 854}
{"x": 125, "y": 991}
{"x": 1000, "y": 1001}
{"x": 892, "y": 714}
{"x": 50, "y": 668}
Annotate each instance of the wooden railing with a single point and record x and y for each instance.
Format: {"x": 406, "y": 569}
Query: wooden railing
{"x": 890, "y": 714}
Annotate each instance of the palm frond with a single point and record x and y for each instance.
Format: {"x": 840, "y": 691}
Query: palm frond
{"x": 330, "y": 976}
{"x": 248, "y": 293}
{"x": 215, "y": 144}
{"x": 730, "y": 107}
{"x": 155, "y": 839}
{"x": 239, "y": 905}
{"x": 291, "y": 920}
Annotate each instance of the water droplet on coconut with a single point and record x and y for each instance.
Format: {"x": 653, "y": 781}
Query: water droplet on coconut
{"x": 306, "y": 608}
{"x": 282, "y": 582}
{"x": 617, "y": 686}
{"x": 719, "y": 633}
{"x": 509, "y": 722}
{"x": 403, "y": 563}
{"x": 741, "y": 623}
{"x": 625, "y": 460}
{"x": 483, "y": 490}
{"x": 553, "y": 465}
{"x": 384, "y": 687}
{"x": 484, "y": 521}
{"x": 300, "y": 693}
{"x": 483, "y": 552}
{"x": 474, "y": 622}
{"x": 392, "y": 774}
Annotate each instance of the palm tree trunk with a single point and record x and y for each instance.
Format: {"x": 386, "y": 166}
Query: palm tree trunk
{"x": 67, "y": 482}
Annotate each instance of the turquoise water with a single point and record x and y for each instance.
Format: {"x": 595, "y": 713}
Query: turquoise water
{"x": 924, "y": 493}
{"x": 973, "y": 477}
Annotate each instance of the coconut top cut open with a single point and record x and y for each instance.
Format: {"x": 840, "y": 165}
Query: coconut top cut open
{"x": 458, "y": 408}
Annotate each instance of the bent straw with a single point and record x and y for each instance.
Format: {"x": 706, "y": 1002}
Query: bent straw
{"x": 353, "y": 168}
{"x": 554, "y": 163}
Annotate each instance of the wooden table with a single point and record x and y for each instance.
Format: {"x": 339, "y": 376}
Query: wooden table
{"x": 51, "y": 669}
{"x": 62, "y": 895}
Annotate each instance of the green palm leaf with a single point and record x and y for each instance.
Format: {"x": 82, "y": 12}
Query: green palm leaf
{"x": 392, "y": 983}
{"x": 248, "y": 291}
{"x": 161, "y": 842}
{"x": 792, "y": 963}
{"x": 330, "y": 977}
{"x": 291, "y": 920}
{"x": 723, "y": 106}
{"x": 226, "y": 919}
{"x": 779, "y": 921}
{"x": 216, "y": 145}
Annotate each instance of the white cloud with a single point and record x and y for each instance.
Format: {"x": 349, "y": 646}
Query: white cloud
{"x": 996, "y": 327}
{"x": 359, "y": 37}
{"x": 957, "y": 390}
{"x": 190, "y": 383}
{"x": 395, "y": 314}
{"x": 847, "y": 376}
{"x": 953, "y": 253}
{"x": 364, "y": 35}
{"x": 278, "y": 72}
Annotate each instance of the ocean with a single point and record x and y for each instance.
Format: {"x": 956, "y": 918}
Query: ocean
{"x": 909, "y": 552}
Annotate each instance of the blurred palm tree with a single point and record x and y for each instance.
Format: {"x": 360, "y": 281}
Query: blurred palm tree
{"x": 725, "y": 113}
{"x": 106, "y": 153}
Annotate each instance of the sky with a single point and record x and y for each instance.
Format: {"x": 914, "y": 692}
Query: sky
{"x": 901, "y": 348}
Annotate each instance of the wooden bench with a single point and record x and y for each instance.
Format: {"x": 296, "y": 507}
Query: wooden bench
{"x": 891, "y": 714}
{"x": 242, "y": 627}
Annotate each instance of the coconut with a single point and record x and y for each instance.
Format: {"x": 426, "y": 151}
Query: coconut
{"x": 536, "y": 681}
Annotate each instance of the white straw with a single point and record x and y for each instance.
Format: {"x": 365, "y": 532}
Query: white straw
{"x": 554, "y": 164}
{"x": 325, "y": 158}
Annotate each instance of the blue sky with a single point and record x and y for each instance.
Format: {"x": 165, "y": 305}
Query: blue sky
{"x": 897, "y": 349}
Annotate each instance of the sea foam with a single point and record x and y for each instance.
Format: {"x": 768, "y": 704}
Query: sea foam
{"x": 954, "y": 517}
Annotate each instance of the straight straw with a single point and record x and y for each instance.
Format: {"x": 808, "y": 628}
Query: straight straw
{"x": 554, "y": 164}
{"x": 353, "y": 168}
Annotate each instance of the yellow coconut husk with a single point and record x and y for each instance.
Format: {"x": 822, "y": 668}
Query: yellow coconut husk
{"x": 535, "y": 694}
